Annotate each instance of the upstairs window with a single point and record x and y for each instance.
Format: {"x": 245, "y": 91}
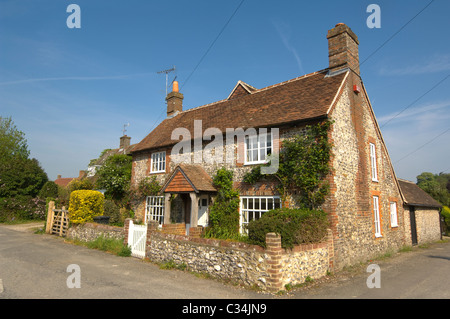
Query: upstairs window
{"x": 373, "y": 162}
{"x": 394, "y": 219}
{"x": 158, "y": 162}
{"x": 257, "y": 147}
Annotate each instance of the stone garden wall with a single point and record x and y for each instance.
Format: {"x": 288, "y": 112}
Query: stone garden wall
{"x": 269, "y": 268}
{"x": 91, "y": 231}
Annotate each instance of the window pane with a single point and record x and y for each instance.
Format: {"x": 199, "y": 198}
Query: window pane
{"x": 277, "y": 203}
{"x": 264, "y": 204}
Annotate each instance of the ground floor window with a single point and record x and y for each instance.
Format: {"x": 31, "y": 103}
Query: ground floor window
{"x": 394, "y": 219}
{"x": 252, "y": 207}
{"x": 376, "y": 216}
{"x": 154, "y": 209}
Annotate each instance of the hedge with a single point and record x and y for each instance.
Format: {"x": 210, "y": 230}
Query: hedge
{"x": 296, "y": 226}
{"x": 84, "y": 205}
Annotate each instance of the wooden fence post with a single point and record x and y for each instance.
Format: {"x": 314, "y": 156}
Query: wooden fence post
{"x": 61, "y": 220}
{"x": 50, "y": 213}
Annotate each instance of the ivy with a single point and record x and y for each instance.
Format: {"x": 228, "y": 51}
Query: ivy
{"x": 224, "y": 213}
{"x": 303, "y": 166}
{"x": 149, "y": 187}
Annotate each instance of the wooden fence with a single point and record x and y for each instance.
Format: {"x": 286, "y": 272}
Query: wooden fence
{"x": 57, "y": 220}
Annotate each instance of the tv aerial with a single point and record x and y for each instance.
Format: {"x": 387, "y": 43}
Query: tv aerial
{"x": 167, "y": 73}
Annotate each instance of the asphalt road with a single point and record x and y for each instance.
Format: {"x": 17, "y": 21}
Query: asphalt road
{"x": 36, "y": 266}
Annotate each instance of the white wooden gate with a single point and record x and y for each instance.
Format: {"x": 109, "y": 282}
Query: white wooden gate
{"x": 137, "y": 238}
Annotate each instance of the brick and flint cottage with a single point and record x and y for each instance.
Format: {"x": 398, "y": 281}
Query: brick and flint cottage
{"x": 365, "y": 203}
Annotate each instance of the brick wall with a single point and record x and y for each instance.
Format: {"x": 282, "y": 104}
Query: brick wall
{"x": 350, "y": 205}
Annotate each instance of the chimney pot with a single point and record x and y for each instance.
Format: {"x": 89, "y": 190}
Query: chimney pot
{"x": 343, "y": 48}
{"x": 124, "y": 141}
{"x": 174, "y": 101}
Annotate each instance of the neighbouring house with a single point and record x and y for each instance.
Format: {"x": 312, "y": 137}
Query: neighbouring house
{"x": 365, "y": 204}
{"x": 424, "y": 213}
{"x": 64, "y": 181}
{"x": 125, "y": 147}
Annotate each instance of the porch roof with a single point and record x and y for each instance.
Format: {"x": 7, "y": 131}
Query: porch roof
{"x": 189, "y": 178}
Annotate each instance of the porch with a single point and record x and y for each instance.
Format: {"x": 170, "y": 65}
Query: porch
{"x": 188, "y": 193}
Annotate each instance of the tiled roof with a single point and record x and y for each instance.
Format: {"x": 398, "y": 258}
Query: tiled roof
{"x": 64, "y": 181}
{"x": 303, "y": 98}
{"x": 195, "y": 175}
{"x": 415, "y": 196}
{"x": 102, "y": 159}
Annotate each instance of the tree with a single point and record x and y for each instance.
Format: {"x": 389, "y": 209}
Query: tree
{"x": 436, "y": 186}
{"x": 12, "y": 141}
{"x": 115, "y": 176}
{"x": 50, "y": 189}
{"x": 21, "y": 176}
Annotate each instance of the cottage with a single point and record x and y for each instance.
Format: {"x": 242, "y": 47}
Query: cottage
{"x": 125, "y": 147}
{"x": 365, "y": 204}
{"x": 424, "y": 213}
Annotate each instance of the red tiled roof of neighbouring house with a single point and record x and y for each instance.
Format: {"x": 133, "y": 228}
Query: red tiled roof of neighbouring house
{"x": 303, "y": 98}
{"x": 64, "y": 181}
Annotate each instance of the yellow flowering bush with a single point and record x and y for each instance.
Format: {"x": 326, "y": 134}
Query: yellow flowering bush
{"x": 84, "y": 205}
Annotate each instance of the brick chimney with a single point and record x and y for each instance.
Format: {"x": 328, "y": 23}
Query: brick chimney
{"x": 124, "y": 141}
{"x": 174, "y": 101}
{"x": 343, "y": 48}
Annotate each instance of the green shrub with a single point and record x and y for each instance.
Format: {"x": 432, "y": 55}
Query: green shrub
{"x": 50, "y": 189}
{"x": 84, "y": 205}
{"x": 224, "y": 213}
{"x": 446, "y": 214}
{"x": 21, "y": 208}
{"x": 111, "y": 245}
{"x": 295, "y": 226}
{"x": 111, "y": 210}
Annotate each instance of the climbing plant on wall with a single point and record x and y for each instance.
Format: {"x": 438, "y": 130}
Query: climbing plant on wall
{"x": 303, "y": 166}
{"x": 224, "y": 213}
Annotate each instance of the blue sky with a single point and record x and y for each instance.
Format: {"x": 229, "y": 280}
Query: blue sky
{"x": 72, "y": 90}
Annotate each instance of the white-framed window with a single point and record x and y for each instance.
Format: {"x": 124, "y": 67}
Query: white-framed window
{"x": 394, "y": 218}
{"x": 376, "y": 216}
{"x": 158, "y": 162}
{"x": 154, "y": 209}
{"x": 257, "y": 147}
{"x": 373, "y": 162}
{"x": 252, "y": 207}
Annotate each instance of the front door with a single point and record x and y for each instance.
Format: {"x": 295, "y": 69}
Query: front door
{"x": 203, "y": 211}
{"x": 412, "y": 220}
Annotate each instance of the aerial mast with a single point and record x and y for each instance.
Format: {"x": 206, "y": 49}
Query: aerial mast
{"x": 167, "y": 72}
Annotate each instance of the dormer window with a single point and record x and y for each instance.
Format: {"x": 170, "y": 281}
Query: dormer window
{"x": 158, "y": 162}
{"x": 257, "y": 148}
